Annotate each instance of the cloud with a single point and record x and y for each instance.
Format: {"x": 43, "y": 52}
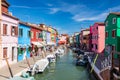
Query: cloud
{"x": 61, "y": 31}
{"x": 54, "y": 10}
{"x": 81, "y": 12}
{"x": 98, "y": 17}
{"x": 50, "y": 5}
{"x": 21, "y": 6}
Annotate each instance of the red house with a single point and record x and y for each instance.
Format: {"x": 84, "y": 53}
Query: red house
{"x": 36, "y": 38}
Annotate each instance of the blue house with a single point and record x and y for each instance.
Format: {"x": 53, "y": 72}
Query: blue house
{"x": 23, "y": 41}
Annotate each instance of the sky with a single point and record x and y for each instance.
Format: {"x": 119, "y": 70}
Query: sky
{"x": 67, "y": 16}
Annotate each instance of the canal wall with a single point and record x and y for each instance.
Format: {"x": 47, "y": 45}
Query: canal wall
{"x": 17, "y": 68}
{"x": 95, "y": 71}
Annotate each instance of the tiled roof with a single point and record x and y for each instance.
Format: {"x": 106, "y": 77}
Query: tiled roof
{"x": 31, "y": 25}
{"x": 116, "y": 13}
{"x": 100, "y": 23}
{"x": 7, "y": 14}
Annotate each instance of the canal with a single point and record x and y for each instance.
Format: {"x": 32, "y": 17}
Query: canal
{"x": 64, "y": 69}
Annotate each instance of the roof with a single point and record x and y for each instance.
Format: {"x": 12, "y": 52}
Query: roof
{"x": 100, "y": 23}
{"x": 7, "y": 14}
{"x": 30, "y": 25}
{"x": 116, "y": 13}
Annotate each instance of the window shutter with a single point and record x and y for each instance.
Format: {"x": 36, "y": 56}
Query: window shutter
{"x": 4, "y": 29}
{"x": 11, "y": 30}
{"x": 16, "y": 31}
{"x": 4, "y": 52}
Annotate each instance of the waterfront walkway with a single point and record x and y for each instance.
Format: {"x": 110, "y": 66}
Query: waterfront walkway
{"x": 17, "y": 68}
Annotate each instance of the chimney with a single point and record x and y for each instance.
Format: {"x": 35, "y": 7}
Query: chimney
{"x": 10, "y": 13}
{"x": 42, "y": 25}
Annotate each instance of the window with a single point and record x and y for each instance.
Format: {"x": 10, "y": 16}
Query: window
{"x": 84, "y": 38}
{"x": 4, "y": 52}
{"x": 91, "y": 45}
{"x": 32, "y": 34}
{"x": 20, "y": 32}
{"x": 113, "y": 48}
{"x": 96, "y": 46}
{"x": 14, "y": 31}
{"x": 106, "y": 23}
{"x": 37, "y": 35}
{"x": 4, "y": 29}
{"x": 29, "y": 34}
{"x": 97, "y": 27}
{"x": 114, "y": 20}
{"x": 40, "y": 35}
{"x": 113, "y": 33}
{"x": 106, "y": 34}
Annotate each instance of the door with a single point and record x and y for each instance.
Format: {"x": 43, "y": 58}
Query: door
{"x": 12, "y": 53}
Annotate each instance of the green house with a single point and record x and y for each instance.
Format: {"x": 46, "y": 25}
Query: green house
{"x": 112, "y": 33}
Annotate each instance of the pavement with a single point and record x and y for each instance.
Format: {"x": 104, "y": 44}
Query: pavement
{"x": 17, "y": 68}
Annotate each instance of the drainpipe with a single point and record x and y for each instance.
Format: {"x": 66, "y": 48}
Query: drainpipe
{"x": 0, "y": 33}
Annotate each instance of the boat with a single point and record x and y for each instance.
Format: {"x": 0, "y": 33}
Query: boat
{"x": 39, "y": 66}
{"x": 82, "y": 60}
{"x": 51, "y": 58}
{"x": 59, "y": 52}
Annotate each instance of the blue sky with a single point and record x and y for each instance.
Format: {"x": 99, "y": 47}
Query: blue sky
{"x": 67, "y": 16}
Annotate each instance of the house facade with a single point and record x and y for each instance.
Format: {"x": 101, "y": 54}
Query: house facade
{"x": 112, "y": 33}
{"x": 24, "y": 41}
{"x": 84, "y": 37}
{"x": 9, "y": 35}
{"x": 52, "y": 35}
{"x": 98, "y": 37}
{"x": 36, "y": 38}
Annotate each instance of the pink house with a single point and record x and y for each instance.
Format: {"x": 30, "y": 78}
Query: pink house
{"x": 98, "y": 37}
{"x": 9, "y": 35}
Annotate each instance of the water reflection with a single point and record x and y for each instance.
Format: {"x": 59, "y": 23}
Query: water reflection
{"x": 64, "y": 69}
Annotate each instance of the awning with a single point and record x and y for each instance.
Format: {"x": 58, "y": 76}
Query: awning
{"x": 50, "y": 43}
{"x": 23, "y": 45}
{"x": 43, "y": 43}
{"x": 38, "y": 44}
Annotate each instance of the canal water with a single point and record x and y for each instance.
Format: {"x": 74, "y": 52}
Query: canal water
{"x": 64, "y": 69}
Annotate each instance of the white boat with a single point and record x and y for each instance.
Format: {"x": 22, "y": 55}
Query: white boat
{"x": 60, "y": 52}
{"x": 39, "y": 66}
{"x": 51, "y": 58}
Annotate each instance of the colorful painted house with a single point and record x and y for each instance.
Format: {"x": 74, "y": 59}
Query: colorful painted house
{"x": 53, "y": 35}
{"x": 84, "y": 37}
{"x": 36, "y": 38}
{"x": 90, "y": 39}
{"x": 9, "y": 34}
{"x": 112, "y": 33}
{"x": 48, "y": 37}
{"x": 63, "y": 39}
{"x": 77, "y": 39}
{"x": 24, "y": 41}
{"x": 44, "y": 33}
{"x": 98, "y": 37}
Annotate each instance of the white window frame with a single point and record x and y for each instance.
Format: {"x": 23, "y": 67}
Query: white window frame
{"x": 113, "y": 20}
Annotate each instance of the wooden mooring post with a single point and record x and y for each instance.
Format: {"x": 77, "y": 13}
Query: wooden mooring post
{"x": 27, "y": 62}
{"x": 6, "y": 59}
